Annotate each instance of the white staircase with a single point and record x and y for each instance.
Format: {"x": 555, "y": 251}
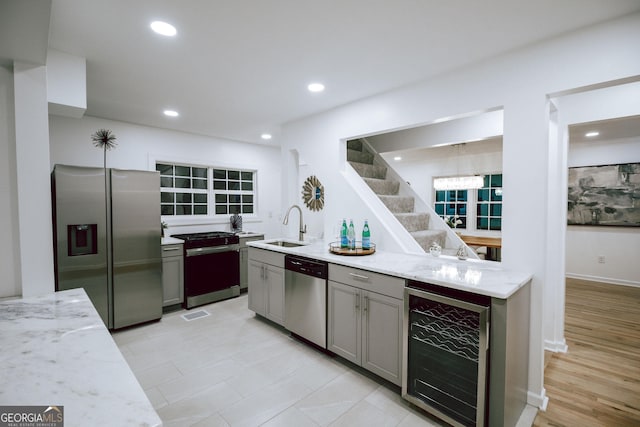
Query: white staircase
{"x": 374, "y": 172}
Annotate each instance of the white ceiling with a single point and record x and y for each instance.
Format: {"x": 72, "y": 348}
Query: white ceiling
{"x": 240, "y": 68}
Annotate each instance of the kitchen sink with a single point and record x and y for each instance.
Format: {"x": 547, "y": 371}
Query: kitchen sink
{"x": 285, "y": 244}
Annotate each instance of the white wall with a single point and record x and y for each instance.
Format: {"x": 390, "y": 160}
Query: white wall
{"x": 521, "y": 82}
{"x": 9, "y": 258}
{"x": 619, "y": 245}
{"x": 138, "y": 147}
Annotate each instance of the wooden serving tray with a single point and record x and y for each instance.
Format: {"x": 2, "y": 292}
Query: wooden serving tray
{"x": 334, "y": 248}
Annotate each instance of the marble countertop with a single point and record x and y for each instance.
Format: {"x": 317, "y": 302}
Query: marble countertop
{"x": 55, "y": 350}
{"x": 477, "y": 276}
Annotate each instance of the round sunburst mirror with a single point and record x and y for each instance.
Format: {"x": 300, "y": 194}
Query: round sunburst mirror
{"x": 313, "y": 193}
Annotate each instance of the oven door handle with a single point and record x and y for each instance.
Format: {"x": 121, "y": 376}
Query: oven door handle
{"x": 212, "y": 250}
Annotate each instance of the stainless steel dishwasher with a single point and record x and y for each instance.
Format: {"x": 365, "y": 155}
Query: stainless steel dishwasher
{"x": 305, "y": 299}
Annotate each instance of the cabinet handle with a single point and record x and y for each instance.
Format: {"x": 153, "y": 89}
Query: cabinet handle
{"x": 359, "y": 276}
{"x": 170, "y": 249}
{"x": 357, "y": 301}
{"x": 366, "y": 303}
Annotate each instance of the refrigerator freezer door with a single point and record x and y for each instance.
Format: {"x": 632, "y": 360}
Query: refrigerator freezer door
{"x": 80, "y": 231}
{"x": 136, "y": 233}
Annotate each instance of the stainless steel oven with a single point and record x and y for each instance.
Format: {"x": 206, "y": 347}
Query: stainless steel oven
{"x": 446, "y": 341}
{"x": 211, "y": 267}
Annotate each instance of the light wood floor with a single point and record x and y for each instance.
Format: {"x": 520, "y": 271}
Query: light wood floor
{"x": 597, "y": 382}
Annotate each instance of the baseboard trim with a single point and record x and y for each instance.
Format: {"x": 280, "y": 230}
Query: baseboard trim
{"x": 556, "y": 346}
{"x": 538, "y": 400}
{"x": 603, "y": 279}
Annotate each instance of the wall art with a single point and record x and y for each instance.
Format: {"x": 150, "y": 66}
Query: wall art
{"x": 605, "y": 195}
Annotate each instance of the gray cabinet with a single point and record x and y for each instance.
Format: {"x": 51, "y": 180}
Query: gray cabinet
{"x": 266, "y": 284}
{"x": 172, "y": 275}
{"x": 365, "y": 327}
{"x": 244, "y": 258}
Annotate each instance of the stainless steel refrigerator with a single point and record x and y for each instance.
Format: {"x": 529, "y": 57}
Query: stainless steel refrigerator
{"x": 107, "y": 236}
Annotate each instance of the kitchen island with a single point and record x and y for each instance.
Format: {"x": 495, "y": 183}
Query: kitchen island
{"x": 56, "y": 351}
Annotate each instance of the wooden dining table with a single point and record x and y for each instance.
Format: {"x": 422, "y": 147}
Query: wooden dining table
{"x": 493, "y": 245}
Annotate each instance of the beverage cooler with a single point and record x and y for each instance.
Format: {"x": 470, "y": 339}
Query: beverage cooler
{"x": 446, "y": 352}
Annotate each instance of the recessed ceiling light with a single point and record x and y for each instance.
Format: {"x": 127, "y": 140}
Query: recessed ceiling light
{"x": 171, "y": 113}
{"x": 397, "y": 158}
{"x": 315, "y": 87}
{"x": 163, "y": 28}
{"x": 266, "y": 136}
{"x": 592, "y": 134}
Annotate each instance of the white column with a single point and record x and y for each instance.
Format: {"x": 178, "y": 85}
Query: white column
{"x": 33, "y": 179}
{"x": 524, "y": 226}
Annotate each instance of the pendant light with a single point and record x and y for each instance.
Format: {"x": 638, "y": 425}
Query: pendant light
{"x": 466, "y": 182}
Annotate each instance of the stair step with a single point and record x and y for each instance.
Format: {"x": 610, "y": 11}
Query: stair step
{"x": 354, "y": 144}
{"x": 413, "y": 221}
{"x": 426, "y": 237}
{"x": 383, "y": 186}
{"x": 369, "y": 171}
{"x": 359, "y": 156}
{"x": 398, "y": 204}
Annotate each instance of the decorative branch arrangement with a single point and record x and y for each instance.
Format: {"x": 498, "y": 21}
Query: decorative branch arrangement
{"x": 105, "y": 139}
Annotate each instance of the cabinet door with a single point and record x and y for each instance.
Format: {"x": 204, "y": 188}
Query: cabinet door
{"x": 172, "y": 280}
{"x": 244, "y": 259}
{"x": 257, "y": 287}
{"x": 274, "y": 281}
{"x": 382, "y": 336}
{"x": 343, "y": 319}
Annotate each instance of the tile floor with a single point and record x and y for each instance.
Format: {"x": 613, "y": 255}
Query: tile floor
{"x": 234, "y": 369}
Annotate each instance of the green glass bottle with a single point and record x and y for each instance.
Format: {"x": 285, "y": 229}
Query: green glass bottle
{"x": 366, "y": 236}
{"x": 351, "y": 235}
{"x": 344, "y": 241}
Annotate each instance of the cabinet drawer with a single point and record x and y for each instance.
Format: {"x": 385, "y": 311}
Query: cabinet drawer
{"x": 244, "y": 240}
{"x": 171, "y": 250}
{"x": 368, "y": 280}
{"x": 268, "y": 257}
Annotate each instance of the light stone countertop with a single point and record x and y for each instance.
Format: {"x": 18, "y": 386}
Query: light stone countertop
{"x": 55, "y": 350}
{"x": 168, "y": 240}
{"x": 477, "y": 276}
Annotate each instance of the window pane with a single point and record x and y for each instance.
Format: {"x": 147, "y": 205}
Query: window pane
{"x": 461, "y": 195}
{"x": 440, "y": 209}
{"x": 200, "y": 183}
{"x": 183, "y": 197}
{"x": 496, "y": 194}
{"x": 487, "y": 180}
{"x": 482, "y": 223}
{"x": 233, "y": 174}
{"x": 200, "y": 198}
{"x": 483, "y": 195}
{"x": 463, "y": 219}
{"x": 164, "y": 169}
{"x": 221, "y": 209}
{"x": 183, "y": 171}
{"x": 166, "y": 182}
{"x": 183, "y": 209}
{"x": 247, "y": 186}
{"x": 219, "y": 174}
{"x": 247, "y": 198}
{"x": 440, "y": 196}
{"x": 483, "y": 209}
{"x": 247, "y": 209}
{"x": 234, "y": 185}
{"x": 166, "y": 197}
{"x": 183, "y": 183}
{"x": 221, "y": 198}
{"x": 246, "y": 176}
{"x": 166, "y": 209}
{"x": 496, "y": 180}
{"x": 495, "y": 223}
{"x": 451, "y": 209}
{"x": 496, "y": 209}
{"x": 199, "y": 172}
{"x": 200, "y": 210}
{"x": 234, "y": 198}
{"x": 234, "y": 208}
{"x": 220, "y": 185}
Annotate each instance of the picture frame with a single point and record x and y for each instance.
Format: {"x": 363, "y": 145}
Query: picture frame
{"x": 604, "y": 195}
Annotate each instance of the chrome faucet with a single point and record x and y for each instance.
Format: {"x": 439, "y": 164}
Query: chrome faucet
{"x": 303, "y": 228}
